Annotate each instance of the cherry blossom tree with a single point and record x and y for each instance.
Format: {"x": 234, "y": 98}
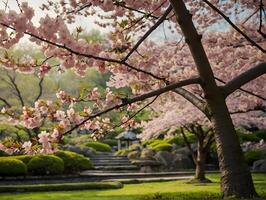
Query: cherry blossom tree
{"x": 139, "y": 62}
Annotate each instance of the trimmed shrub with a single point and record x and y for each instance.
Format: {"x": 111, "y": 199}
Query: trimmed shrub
{"x": 251, "y": 156}
{"x": 163, "y": 147}
{"x": 74, "y": 162}
{"x": 45, "y": 165}
{"x": 98, "y": 146}
{"x": 24, "y": 158}
{"x": 12, "y": 167}
{"x": 110, "y": 142}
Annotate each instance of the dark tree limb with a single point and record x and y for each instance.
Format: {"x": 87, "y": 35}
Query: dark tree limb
{"x": 5, "y": 102}
{"x": 244, "y": 78}
{"x": 40, "y": 84}
{"x": 15, "y": 86}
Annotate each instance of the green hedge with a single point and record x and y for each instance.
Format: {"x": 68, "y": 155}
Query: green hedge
{"x": 98, "y": 146}
{"x": 251, "y": 156}
{"x": 162, "y": 147}
{"x": 46, "y": 165}
{"x": 60, "y": 187}
{"x": 74, "y": 162}
{"x": 24, "y": 158}
{"x": 2, "y": 153}
{"x": 12, "y": 167}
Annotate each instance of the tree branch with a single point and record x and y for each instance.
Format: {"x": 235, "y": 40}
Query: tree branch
{"x": 40, "y": 89}
{"x": 5, "y": 102}
{"x": 13, "y": 82}
{"x": 139, "y": 98}
{"x": 244, "y": 78}
{"x": 197, "y": 102}
{"x": 234, "y": 26}
{"x": 243, "y": 90}
{"x": 188, "y": 145}
{"x": 86, "y": 55}
{"x": 155, "y": 26}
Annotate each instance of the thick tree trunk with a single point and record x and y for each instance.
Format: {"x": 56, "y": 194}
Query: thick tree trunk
{"x": 200, "y": 164}
{"x": 236, "y": 178}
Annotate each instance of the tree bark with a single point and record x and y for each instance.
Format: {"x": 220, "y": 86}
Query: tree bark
{"x": 235, "y": 175}
{"x": 200, "y": 164}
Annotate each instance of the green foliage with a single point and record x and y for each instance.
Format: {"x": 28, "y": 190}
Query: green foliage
{"x": 261, "y": 134}
{"x": 98, "y": 146}
{"x": 61, "y": 187}
{"x": 244, "y": 137}
{"x": 24, "y": 158}
{"x": 123, "y": 152}
{"x": 45, "y": 165}
{"x": 12, "y": 167}
{"x": 110, "y": 142}
{"x": 12, "y": 132}
{"x": 3, "y": 154}
{"x": 162, "y": 147}
{"x": 74, "y": 162}
{"x": 251, "y": 156}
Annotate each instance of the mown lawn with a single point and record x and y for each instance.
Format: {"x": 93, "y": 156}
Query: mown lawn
{"x": 173, "y": 190}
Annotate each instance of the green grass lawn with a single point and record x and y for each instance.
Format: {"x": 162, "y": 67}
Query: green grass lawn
{"x": 173, "y": 190}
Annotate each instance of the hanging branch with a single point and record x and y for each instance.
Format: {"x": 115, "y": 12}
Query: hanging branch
{"x": 5, "y": 102}
{"x": 15, "y": 86}
{"x": 139, "y": 98}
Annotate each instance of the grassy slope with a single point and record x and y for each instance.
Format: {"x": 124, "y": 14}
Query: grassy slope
{"x": 178, "y": 189}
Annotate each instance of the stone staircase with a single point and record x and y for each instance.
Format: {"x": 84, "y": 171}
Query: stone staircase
{"x": 109, "y": 162}
{"x": 108, "y": 167}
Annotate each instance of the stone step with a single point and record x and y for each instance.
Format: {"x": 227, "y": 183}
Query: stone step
{"x": 110, "y": 163}
{"x": 150, "y": 179}
{"x": 100, "y": 174}
{"x": 116, "y": 167}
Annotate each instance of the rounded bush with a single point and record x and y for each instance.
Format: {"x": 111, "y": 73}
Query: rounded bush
{"x": 251, "y": 156}
{"x": 98, "y": 146}
{"x": 24, "y": 158}
{"x": 163, "y": 147}
{"x": 12, "y": 167}
{"x": 74, "y": 162}
{"x": 45, "y": 165}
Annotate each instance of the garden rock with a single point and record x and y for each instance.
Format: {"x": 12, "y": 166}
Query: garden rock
{"x": 147, "y": 154}
{"x": 133, "y": 155}
{"x": 185, "y": 150}
{"x": 259, "y": 165}
{"x": 181, "y": 161}
{"x": 165, "y": 158}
